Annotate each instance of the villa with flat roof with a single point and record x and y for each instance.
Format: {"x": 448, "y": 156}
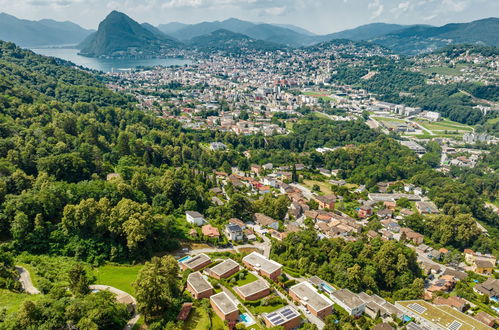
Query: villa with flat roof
{"x": 264, "y": 266}
{"x": 349, "y": 301}
{"x": 254, "y": 290}
{"x": 199, "y": 286}
{"x": 196, "y": 263}
{"x": 224, "y": 269}
{"x": 305, "y": 294}
{"x": 225, "y": 308}
{"x": 287, "y": 317}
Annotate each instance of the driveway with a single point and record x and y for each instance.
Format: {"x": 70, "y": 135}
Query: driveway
{"x": 26, "y": 282}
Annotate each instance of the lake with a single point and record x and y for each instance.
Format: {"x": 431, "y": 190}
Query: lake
{"x": 106, "y": 65}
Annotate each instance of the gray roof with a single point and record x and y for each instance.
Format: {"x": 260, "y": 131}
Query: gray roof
{"x": 348, "y": 298}
{"x": 194, "y": 214}
{"x": 224, "y": 267}
{"x": 259, "y": 261}
{"x": 196, "y": 261}
{"x": 252, "y": 288}
{"x": 282, "y": 315}
{"x": 308, "y": 294}
{"x": 198, "y": 282}
{"x": 224, "y": 303}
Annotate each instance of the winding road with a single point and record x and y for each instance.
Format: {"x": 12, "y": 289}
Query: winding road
{"x": 26, "y": 282}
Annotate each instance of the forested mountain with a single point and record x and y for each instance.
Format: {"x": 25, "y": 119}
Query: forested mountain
{"x": 364, "y": 32}
{"x": 230, "y": 42}
{"x": 40, "y": 33}
{"x": 420, "y": 38}
{"x": 119, "y": 35}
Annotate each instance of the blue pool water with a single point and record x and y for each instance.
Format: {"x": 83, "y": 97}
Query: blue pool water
{"x": 184, "y": 258}
{"x": 327, "y": 288}
{"x": 246, "y": 319}
{"x": 406, "y": 318}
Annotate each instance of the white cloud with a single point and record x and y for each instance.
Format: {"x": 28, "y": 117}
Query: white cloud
{"x": 376, "y": 8}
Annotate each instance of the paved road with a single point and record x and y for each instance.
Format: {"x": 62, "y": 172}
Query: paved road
{"x": 121, "y": 296}
{"x": 26, "y": 282}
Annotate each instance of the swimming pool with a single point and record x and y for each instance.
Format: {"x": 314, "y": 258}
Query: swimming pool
{"x": 327, "y": 288}
{"x": 246, "y": 319}
{"x": 184, "y": 258}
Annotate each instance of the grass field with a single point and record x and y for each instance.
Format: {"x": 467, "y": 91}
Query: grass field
{"x": 198, "y": 320}
{"x": 325, "y": 96}
{"x": 11, "y": 301}
{"x": 387, "y": 119}
{"x": 264, "y": 309}
{"x": 118, "y": 276}
{"x": 442, "y": 70}
{"x": 444, "y": 125}
{"x": 247, "y": 279}
{"x": 325, "y": 187}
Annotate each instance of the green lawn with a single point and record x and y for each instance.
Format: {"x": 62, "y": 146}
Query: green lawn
{"x": 265, "y": 309}
{"x": 444, "y": 125}
{"x": 247, "y": 279}
{"x": 198, "y": 320}
{"x": 324, "y": 95}
{"x": 118, "y": 276}
{"x": 442, "y": 70}
{"x": 325, "y": 187}
{"x": 388, "y": 119}
{"x": 11, "y": 301}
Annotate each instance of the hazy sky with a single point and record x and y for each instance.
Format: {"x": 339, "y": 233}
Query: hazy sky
{"x": 319, "y": 16}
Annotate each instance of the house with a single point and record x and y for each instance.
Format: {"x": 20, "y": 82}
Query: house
{"x": 225, "y": 269}
{"x": 195, "y": 218}
{"x": 210, "y": 231}
{"x": 390, "y": 205}
{"x": 263, "y": 190}
{"x": 453, "y": 301}
{"x": 377, "y": 306}
{"x": 238, "y": 222}
{"x": 224, "y": 307}
{"x": 349, "y": 301}
{"x": 270, "y": 182}
{"x": 268, "y": 166}
{"x": 444, "y": 284}
{"x": 411, "y": 235}
{"x": 234, "y": 232}
{"x": 195, "y": 263}
{"x": 217, "y": 146}
{"x": 185, "y": 311}
{"x": 265, "y": 221}
{"x": 265, "y": 267}
{"x": 287, "y": 317}
{"x": 257, "y": 169}
{"x": 305, "y": 294}
{"x": 371, "y": 234}
{"x": 486, "y": 319}
{"x": 326, "y": 202}
{"x": 365, "y": 211}
{"x": 490, "y": 287}
{"x": 253, "y": 291}
{"x": 385, "y": 213}
{"x": 198, "y": 286}
{"x": 458, "y": 275}
{"x": 484, "y": 267}
{"x": 426, "y": 207}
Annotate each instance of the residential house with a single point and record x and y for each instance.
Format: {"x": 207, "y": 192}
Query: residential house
{"x": 486, "y": 319}
{"x": 426, "y": 207}
{"x": 253, "y": 291}
{"x": 264, "y": 266}
{"x": 484, "y": 267}
{"x": 306, "y": 295}
{"x": 238, "y": 222}
{"x": 377, "y": 306}
{"x": 265, "y": 221}
{"x": 349, "y": 301}
{"x": 257, "y": 169}
{"x": 195, "y": 263}
{"x": 365, "y": 211}
{"x": 234, "y": 232}
{"x": 225, "y": 269}
{"x": 490, "y": 287}
{"x": 287, "y": 317}
{"x": 224, "y": 307}
{"x": 453, "y": 301}
{"x": 210, "y": 231}
{"x": 195, "y": 218}
{"x": 198, "y": 286}
{"x": 326, "y": 202}
{"x": 411, "y": 235}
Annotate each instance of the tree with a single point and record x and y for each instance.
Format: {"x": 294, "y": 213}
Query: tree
{"x": 294, "y": 175}
{"x": 157, "y": 288}
{"x": 78, "y": 280}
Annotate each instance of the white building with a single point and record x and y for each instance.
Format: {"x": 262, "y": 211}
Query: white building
{"x": 349, "y": 301}
{"x": 195, "y": 218}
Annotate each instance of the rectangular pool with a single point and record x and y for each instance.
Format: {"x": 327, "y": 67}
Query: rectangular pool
{"x": 246, "y": 319}
{"x": 327, "y": 288}
{"x": 184, "y": 258}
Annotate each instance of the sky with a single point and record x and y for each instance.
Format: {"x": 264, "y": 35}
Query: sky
{"x": 318, "y": 16}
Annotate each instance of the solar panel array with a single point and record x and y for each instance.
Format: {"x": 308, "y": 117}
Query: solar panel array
{"x": 417, "y": 308}
{"x": 454, "y": 325}
{"x": 282, "y": 316}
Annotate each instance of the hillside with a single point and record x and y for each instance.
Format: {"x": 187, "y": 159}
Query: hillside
{"x": 227, "y": 41}
{"x": 40, "y": 33}
{"x": 364, "y": 32}
{"x": 119, "y": 35}
{"x": 420, "y": 38}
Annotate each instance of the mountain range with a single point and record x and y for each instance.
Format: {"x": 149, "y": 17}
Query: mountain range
{"x": 45, "y": 32}
{"x": 118, "y": 34}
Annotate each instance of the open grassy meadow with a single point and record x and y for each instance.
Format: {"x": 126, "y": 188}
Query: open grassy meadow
{"x": 118, "y": 276}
